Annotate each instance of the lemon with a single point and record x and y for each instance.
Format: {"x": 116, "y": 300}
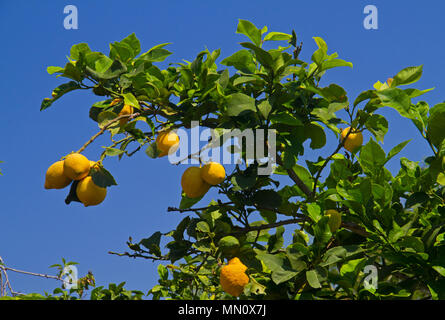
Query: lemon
{"x": 334, "y": 219}
{"x": 353, "y": 141}
{"x": 76, "y": 166}
{"x": 126, "y": 110}
{"x": 55, "y": 178}
{"x": 233, "y": 277}
{"x": 167, "y": 141}
{"x": 192, "y": 183}
{"x": 213, "y": 173}
{"x": 89, "y": 193}
{"x": 115, "y": 102}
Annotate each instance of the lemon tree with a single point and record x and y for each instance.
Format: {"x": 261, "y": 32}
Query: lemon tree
{"x": 394, "y": 223}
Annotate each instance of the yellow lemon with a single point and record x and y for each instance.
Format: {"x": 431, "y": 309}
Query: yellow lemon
{"x": 167, "y": 141}
{"x": 213, "y": 173}
{"x": 115, "y": 102}
{"x": 334, "y": 219}
{"x": 192, "y": 183}
{"x": 55, "y": 178}
{"x": 353, "y": 141}
{"x": 76, "y": 166}
{"x": 126, "y": 110}
{"x": 233, "y": 277}
{"x": 89, "y": 193}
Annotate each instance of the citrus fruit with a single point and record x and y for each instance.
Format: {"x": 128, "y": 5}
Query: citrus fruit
{"x": 233, "y": 277}
{"x": 55, "y": 178}
{"x": 353, "y": 141}
{"x": 167, "y": 141}
{"x": 213, "y": 173}
{"x": 126, "y": 110}
{"x": 76, "y": 166}
{"x": 89, "y": 193}
{"x": 192, "y": 183}
{"x": 334, "y": 219}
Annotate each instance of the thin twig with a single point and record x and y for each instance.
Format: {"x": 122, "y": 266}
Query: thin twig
{"x": 300, "y": 184}
{"x": 106, "y": 126}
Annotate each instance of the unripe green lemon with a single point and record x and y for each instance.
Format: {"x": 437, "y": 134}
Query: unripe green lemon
{"x": 334, "y": 219}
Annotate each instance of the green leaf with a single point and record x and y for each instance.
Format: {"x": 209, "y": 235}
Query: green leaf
{"x": 156, "y": 54}
{"x": 407, "y": 76}
{"x": 262, "y": 56}
{"x": 59, "y": 92}
{"x": 203, "y": 226}
{"x": 316, "y": 133}
{"x": 285, "y": 118}
{"x": 397, "y": 99}
{"x": 52, "y": 70}
{"x": 378, "y": 125}
{"x": 394, "y": 151}
{"x": 105, "y": 117}
{"x": 265, "y": 108}
{"x": 372, "y": 157}
{"x": 163, "y": 272}
{"x": 187, "y": 202}
{"x": 152, "y": 151}
{"x": 131, "y": 100}
{"x": 416, "y": 198}
{"x": 113, "y": 152}
{"x": 242, "y": 60}
{"x": 238, "y": 103}
{"x": 436, "y": 120}
{"x": 152, "y": 243}
{"x": 322, "y": 232}
{"x": 314, "y": 212}
{"x": 248, "y": 29}
{"x": 101, "y": 177}
{"x": 312, "y": 279}
{"x": 267, "y": 199}
{"x": 277, "y": 36}
{"x": 335, "y": 63}
{"x": 276, "y": 241}
{"x": 79, "y": 49}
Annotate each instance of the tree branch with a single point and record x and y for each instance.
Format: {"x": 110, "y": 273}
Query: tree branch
{"x": 300, "y": 184}
{"x": 106, "y": 126}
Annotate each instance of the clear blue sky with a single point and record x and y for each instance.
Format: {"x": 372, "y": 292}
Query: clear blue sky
{"x": 37, "y": 228}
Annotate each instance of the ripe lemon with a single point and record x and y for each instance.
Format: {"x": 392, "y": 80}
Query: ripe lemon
{"x": 55, "y": 178}
{"x": 353, "y": 141}
{"x": 89, "y": 193}
{"x": 233, "y": 278}
{"x": 167, "y": 141}
{"x": 126, "y": 110}
{"x": 115, "y": 102}
{"x": 192, "y": 183}
{"x": 334, "y": 219}
{"x": 76, "y": 166}
{"x": 213, "y": 173}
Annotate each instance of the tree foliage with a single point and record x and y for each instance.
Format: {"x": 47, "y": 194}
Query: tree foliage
{"x": 392, "y": 222}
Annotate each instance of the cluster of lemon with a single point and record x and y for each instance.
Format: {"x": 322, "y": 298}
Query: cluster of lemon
{"x": 195, "y": 181}
{"x": 75, "y": 167}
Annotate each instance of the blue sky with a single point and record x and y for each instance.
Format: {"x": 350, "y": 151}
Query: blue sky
{"x": 37, "y": 228}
